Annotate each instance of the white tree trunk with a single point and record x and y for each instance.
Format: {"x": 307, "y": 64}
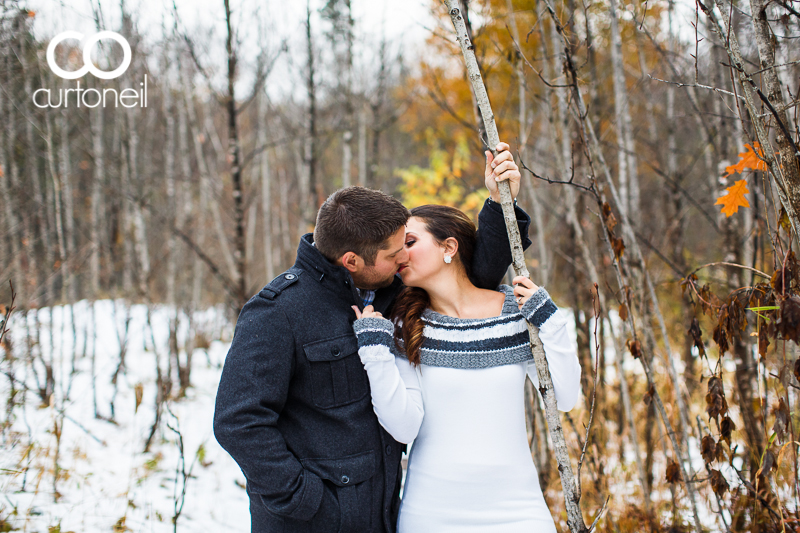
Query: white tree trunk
{"x": 207, "y": 189}
{"x": 169, "y": 176}
{"x": 524, "y": 126}
{"x": 362, "y": 147}
{"x": 96, "y": 117}
{"x": 139, "y": 231}
{"x": 571, "y": 496}
{"x": 266, "y": 190}
{"x": 628, "y": 178}
{"x": 65, "y": 169}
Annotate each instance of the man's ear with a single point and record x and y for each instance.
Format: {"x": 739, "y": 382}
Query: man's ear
{"x": 450, "y": 246}
{"x": 352, "y": 261}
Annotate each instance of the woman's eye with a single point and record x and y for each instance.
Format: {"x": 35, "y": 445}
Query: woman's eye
{"x": 410, "y": 243}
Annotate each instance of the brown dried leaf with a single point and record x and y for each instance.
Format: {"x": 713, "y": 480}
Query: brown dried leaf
{"x": 721, "y": 333}
{"x": 608, "y": 216}
{"x": 789, "y": 320}
{"x": 708, "y": 449}
{"x": 782, "y": 420}
{"x": 673, "y": 472}
{"x": 785, "y": 375}
{"x": 138, "y": 390}
{"x": 648, "y": 396}
{"x": 726, "y": 428}
{"x": 635, "y": 348}
{"x": 737, "y": 319}
{"x": 697, "y": 337}
{"x": 767, "y": 464}
{"x": 623, "y": 312}
{"x": 720, "y": 451}
{"x": 763, "y": 342}
{"x": 715, "y": 398}
{"x": 618, "y": 245}
{"x": 797, "y": 369}
{"x": 718, "y": 482}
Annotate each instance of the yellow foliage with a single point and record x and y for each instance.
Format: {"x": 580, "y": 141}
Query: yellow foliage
{"x": 441, "y": 182}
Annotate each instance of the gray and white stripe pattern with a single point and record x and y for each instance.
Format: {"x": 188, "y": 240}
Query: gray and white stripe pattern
{"x": 484, "y": 342}
{"x": 469, "y": 343}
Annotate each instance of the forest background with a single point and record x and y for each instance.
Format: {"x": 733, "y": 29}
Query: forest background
{"x": 131, "y": 237}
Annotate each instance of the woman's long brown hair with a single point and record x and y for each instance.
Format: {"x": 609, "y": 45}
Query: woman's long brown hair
{"x": 441, "y": 222}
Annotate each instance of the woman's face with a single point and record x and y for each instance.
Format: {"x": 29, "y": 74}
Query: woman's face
{"x": 425, "y": 255}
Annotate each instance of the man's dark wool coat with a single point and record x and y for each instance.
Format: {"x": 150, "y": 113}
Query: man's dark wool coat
{"x": 293, "y": 406}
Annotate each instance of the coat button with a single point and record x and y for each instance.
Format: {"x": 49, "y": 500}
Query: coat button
{"x": 335, "y": 351}
{"x": 289, "y": 276}
{"x": 345, "y": 480}
{"x": 388, "y": 449}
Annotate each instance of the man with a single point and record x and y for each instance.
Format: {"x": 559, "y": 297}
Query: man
{"x": 293, "y": 405}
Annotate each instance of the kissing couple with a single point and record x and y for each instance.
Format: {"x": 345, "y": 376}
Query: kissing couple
{"x": 391, "y": 328}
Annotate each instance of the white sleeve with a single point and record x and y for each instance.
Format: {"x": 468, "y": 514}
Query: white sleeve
{"x": 562, "y": 356}
{"x": 394, "y": 384}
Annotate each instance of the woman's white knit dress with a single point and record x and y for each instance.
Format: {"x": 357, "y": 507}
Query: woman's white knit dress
{"x": 469, "y": 468}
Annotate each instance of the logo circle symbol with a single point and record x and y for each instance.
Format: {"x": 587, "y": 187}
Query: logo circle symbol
{"x": 88, "y": 45}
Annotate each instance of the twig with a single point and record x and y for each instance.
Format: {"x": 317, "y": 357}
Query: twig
{"x": 571, "y": 181}
{"x": 724, "y": 263}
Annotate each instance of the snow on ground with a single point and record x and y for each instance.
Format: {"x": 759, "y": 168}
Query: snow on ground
{"x": 106, "y": 482}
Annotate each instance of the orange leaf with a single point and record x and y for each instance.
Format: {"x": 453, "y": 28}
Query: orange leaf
{"x": 748, "y": 159}
{"x": 735, "y": 199}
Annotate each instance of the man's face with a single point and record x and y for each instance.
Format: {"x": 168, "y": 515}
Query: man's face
{"x": 387, "y": 262}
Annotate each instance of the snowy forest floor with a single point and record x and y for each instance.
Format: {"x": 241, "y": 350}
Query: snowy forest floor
{"x": 105, "y": 481}
{"x": 64, "y": 469}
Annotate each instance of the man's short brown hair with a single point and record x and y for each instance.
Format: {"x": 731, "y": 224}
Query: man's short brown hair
{"x": 358, "y": 220}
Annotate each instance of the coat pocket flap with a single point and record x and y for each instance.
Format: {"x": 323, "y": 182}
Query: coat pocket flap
{"x": 331, "y": 349}
{"x": 344, "y": 471}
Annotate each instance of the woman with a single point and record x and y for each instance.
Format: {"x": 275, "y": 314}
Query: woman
{"x": 459, "y": 356}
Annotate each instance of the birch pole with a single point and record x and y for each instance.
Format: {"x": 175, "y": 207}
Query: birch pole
{"x": 571, "y": 496}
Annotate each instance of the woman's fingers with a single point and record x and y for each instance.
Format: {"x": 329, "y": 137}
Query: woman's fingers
{"x": 522, "y": 280}
{"x": 368, "y": 312}
{"x": 523, "y": 289}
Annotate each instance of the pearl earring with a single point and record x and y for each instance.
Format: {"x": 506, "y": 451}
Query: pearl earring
{"x": 448, "y": 259}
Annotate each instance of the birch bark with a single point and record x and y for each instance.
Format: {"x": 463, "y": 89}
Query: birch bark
{"x": 234, "y": 154}
{"x": 308, "y": 178}
{"x": 96, "y": 117}
{"x": 65, "y": 169}
{"x": 266, "y": 188}
{"x": 789, "y": 154}
{"x": 572, "y": 498}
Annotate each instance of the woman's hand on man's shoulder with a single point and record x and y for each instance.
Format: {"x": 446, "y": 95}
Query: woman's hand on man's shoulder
{"x": 368, "y": 312}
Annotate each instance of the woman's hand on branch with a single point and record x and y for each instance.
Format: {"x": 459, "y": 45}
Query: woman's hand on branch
{"x": 499, "y": 168}
{"x": 523, "y": 289}
{"x": 368, "y": 312}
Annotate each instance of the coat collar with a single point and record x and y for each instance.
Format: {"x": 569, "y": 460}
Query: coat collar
{"x": 337, "y": 278}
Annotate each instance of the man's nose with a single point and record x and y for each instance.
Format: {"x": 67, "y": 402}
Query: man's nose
{"x": 402, "y": 257}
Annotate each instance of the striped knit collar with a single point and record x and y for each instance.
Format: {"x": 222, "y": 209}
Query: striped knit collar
{"x": 509, "y": 308}
{"x": 475, "y": 343}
